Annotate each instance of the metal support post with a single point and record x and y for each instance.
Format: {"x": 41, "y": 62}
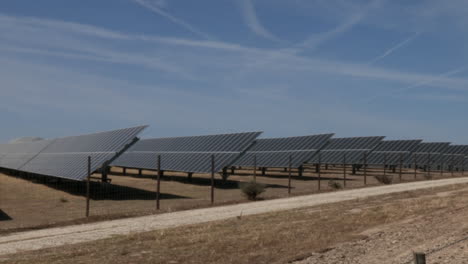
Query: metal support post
{"x": 365, "y": 168}
{"x": 212, "y": 178}
{"x": 158, "y": 183}
{"x": 344, "y": 169}
{"x": 289, "y": 174}
{"x": 88, "y": 179}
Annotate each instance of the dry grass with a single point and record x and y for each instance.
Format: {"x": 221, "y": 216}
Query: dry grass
{"x": 269, "y": 238}
{"x": 64, "y": 203}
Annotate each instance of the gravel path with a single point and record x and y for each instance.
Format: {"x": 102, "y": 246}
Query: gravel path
{"x": 54, "y": 237}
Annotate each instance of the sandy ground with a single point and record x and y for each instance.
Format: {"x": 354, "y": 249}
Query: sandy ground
{"x": 442, "y": 236}
{"x": 28, "y": 203}
{"x": 54, "y": 237}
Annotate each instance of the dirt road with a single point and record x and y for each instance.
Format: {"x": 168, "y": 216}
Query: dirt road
{"x": 54, "y": 237}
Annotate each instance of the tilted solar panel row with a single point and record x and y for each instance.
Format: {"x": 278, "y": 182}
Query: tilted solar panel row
{"x": 428, "y": 153}
{"x": 15, "y": 155}
{"x": 172, "y": 161}
{"x": 432, "y": 147}
{"x": 235, "y": 142}
{"x": 67, "y": 157}
{"x": 451, "y": 160}
{"x": 343, "y": 156}
{"x": 392, "y": 152}
{"x": 349, "y": 143}
{"x": 277, "y": 152}
{"x": 312, "y": 142}
{"x": 187, "y": 154}
{"x": 454, "y": 155}
{"x": 350, "y": 150}
{"x": 457, "y": 149}
{"x": 398, "y": 145}
{"x": 387, "y": 158}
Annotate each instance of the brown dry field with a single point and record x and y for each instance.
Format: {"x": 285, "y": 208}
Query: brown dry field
{"x": 380, "y": 229}
{"x": 26, "y": 204}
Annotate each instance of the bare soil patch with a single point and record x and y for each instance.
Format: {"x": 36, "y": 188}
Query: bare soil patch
{"x": 380, "y": 229}
{"x": 32, "y": 204}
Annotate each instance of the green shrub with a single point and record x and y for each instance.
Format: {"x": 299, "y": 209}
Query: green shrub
{"x": 428, "y": 176}
{"x": 385, "y": 179}
{"x": 252, "y": 189}
{"x": 334, "y": 185}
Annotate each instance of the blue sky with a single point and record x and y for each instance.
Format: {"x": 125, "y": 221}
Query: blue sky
{"x": 286, "y": 67}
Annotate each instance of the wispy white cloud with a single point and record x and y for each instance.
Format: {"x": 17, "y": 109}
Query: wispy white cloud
{"x": 31, "y": 35}
{"x": 34, "y": 23}
{"x": 427, "y": 80}
{"x": 394, "y": 48}
{"x": 96, "y": 54}
{"x": 316, "y": 40}
{"x": 157, "y": 8}
{"x": 160, "y": 3}
{"x": 140, "y": 75}
{"x": 337, "y": 68}
{"x": 355, "y": 18}
{"x": 75, "y": 92}
{"x": 434, "y": 15}
{"x": 252, "y": 21}
{"x": 71, "y": 41}
{"x": 433, "y": 79}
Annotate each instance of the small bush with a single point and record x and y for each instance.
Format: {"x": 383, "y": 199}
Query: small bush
{"x": 385, "y": 179}
{"x": 428, "y": 176}
{"x": 334, "y": 185}
{"x": 252, "y": 189}
{"x": 63, "y": 200}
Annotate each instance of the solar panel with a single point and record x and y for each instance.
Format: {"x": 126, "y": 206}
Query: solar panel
{"x": 15, "y": 155}
{"x": 454, "y": 155}
{"x": 339, "y": 156}
{"x": 187, "y": 154}
{"x": 275, "y": 152}
{"x": 432, "y": 147}
{"x": 428, "y": 153}
{"x": 457, "y": 149}
{"x": 398, "y": 145}
{"x": 16, "y": 160}
{"x": 392, "y": 152}
{"x": 450, "y": 160}
{"x": 67, "y": 157}
{"x": 350, "y": 150}
{"x": 350, "y": 143}
{"x": 72, "y": 166}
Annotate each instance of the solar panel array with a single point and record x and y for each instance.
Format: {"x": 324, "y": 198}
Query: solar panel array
{"x": 392, "y": 152}
{"x": 67, "y": 157}
{"x": 350, "y": 150}
{"x": 187, "y": 154}
{"x": 432, "y": 147}
{"x": 457, "y": 150}
{"x": 454, "y": 155}
{"x": 428, "y": 153}
{"x": 276, "y": 152}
